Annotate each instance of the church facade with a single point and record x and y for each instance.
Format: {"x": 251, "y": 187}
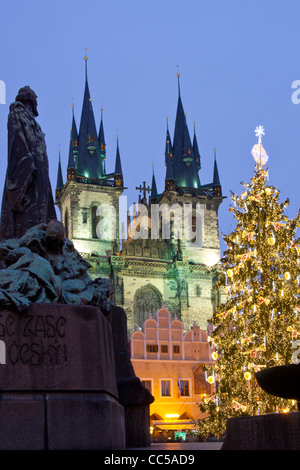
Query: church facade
{"x": 167, "y": 251}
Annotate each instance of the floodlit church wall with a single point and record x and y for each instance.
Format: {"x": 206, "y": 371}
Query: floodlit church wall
{"x": 133, "y": 288}
{"x": 80, "y": 205}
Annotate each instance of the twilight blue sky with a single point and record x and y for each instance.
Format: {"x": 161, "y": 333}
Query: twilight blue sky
{"x": 237, "y": 60}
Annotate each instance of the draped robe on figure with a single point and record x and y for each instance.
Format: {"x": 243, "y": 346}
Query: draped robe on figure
{"x": 27, "y": 196}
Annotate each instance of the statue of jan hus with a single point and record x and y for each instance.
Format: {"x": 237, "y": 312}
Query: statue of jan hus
{"x": 27, "y": 197}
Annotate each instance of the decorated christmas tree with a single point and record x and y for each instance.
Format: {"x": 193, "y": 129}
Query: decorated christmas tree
{"x": 259, "y": 323}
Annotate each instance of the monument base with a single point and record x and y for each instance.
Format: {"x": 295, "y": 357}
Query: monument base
{"x": 275, "y": 431}
{"x": 58, "y": 383}
{"x": 133, "y": 395}
{"x": 137, "y": 425}
{"x": 60, "y": 421}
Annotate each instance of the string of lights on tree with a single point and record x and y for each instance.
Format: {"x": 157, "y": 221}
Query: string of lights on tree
{"x": 259, "y": 322}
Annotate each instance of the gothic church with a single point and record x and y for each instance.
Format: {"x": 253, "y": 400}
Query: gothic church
{"x": 145, "y": 271}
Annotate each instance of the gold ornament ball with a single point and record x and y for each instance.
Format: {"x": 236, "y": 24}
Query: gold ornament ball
{"x": 271, "y": 241}
{"x": 247, "y": 375}
{"x": 210, "y": 379}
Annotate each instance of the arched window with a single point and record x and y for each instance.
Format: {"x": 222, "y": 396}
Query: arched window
{"x": 147, "y": 300}
{"x": 95, "y": 220}
{"x": 66, "y": 223}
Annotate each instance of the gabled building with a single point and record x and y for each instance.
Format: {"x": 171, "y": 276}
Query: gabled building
{"x": 168, "y": 250}
{"x": 169, "y": 361}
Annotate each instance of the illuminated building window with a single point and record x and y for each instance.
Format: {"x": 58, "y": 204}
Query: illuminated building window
{"x": 176, "y": 349}
{"x": 84, "y": 216}
{"x": 198, "y": 291}
{"x": 95, "y": 221}
{"x": 184, "y": 386}
{"x": 152, "y": 348}
{"x": 194, "y": 227}
{"x": 164, "y": 348}
{"x": 165, "y": 388}
{"x": 147, "y": 384}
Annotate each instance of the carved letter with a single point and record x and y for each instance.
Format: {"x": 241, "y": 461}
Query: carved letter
{"x": 2, "y": 352}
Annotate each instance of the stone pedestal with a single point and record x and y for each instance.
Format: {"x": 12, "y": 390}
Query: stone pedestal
{"x": 58, "y": 380}
{"x": 134, "y": 397}
{"x": 267, "y": 432}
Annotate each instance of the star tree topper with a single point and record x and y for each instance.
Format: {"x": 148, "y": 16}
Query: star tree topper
{"x": 258, "y": 152}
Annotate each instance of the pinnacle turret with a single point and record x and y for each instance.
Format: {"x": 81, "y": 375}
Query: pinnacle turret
{"x": 118, "y": 167}
{"x": 59, "y": 181}
{"x": 73, "y": 147}
{"x": 101, "y": 139}
{"x": 216, "y": 179}
{"x": 184, "y": 168}
{"x": 197, "y": 155}
{"x": 154, "y": 192}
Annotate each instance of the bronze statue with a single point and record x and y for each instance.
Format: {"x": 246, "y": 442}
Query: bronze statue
{"x": 44, "y": 267}
{"x": 27, "y": 197}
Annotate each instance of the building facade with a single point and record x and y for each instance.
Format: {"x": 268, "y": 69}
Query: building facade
{"x": 168, "y": 250}
{"x": 169, "y": 361}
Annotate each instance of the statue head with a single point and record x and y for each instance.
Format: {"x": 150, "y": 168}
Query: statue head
{"x": 28, "y": 97}
{"x": 55, "y": 236}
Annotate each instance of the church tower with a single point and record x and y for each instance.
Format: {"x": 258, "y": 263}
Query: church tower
{"x": 89, "y": 199}
{"x": 197, "y": 231}
{"x": 179, "y": 266}
{"x": 176, "y": 261}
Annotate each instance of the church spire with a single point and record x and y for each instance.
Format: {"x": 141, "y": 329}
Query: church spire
{"x": 185, "y": 171}
{"x": 168, "y": 149}
{"x": 101, "y": 138}
{"x": 169, "y": 180}
{"x": 89, "y": 161}
{"x": 178, "y": 79}
{"x": 154, "y": 193}
{"x": 73, "y": 147}
{"x": 59, "y": 181}
{"x": 197, "y": 155}
{"x": 85, "y": 66}
{"x": 118, "y": 167}
{"x": 216, "y": 179}
{"x": 170, "y": 183}
{"x": 188, "y": 156}
{"x": 71, "y": 160}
